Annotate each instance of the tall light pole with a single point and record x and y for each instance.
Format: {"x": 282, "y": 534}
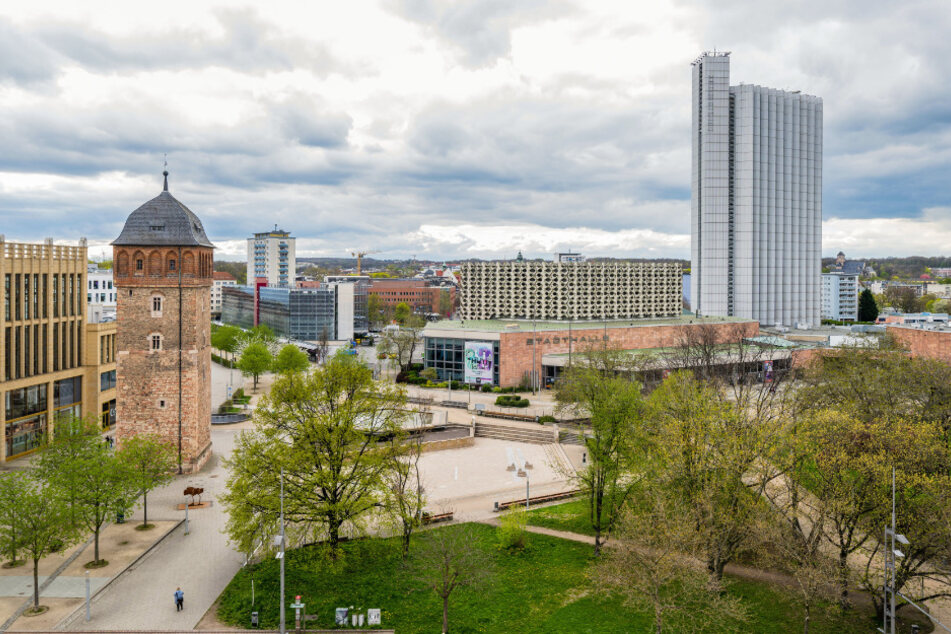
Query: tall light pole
{"x": 283, "y": 630}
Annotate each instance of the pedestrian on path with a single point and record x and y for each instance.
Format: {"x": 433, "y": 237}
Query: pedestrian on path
{"x": 179, "y": 600}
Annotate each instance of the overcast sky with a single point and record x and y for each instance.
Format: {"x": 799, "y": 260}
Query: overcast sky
{"x": 447, "y": 129}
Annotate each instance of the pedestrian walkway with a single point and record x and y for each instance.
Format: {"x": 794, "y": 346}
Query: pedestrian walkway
{"x": 201, "y": 562}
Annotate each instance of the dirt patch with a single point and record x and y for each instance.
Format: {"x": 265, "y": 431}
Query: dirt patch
{"x": 59, "y": 608}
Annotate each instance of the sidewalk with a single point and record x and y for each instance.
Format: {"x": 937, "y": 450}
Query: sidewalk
{"x": 201, "y": 563}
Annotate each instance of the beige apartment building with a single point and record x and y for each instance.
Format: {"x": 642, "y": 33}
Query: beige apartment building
{"x": 54, "y": 363}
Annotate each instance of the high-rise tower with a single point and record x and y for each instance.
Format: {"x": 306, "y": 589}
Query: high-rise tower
{"x": 163, "y": 275}
{"x": 756, "y": 205}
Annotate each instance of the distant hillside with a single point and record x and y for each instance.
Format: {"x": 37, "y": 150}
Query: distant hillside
{"x": 912, "y": 267}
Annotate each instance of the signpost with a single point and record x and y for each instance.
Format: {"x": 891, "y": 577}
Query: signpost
{"x": 298, "y": 606}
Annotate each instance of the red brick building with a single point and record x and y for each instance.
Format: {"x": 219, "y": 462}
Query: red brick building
{"x": 420, "y": 295}
{"x": 163, "y": 273}
{"x": 516, "y": 344}
{"x": 934, "y": 344}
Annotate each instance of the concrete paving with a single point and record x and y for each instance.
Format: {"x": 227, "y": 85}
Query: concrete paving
{"x": 201, "y": 563}
{"x": 62, "y": 587}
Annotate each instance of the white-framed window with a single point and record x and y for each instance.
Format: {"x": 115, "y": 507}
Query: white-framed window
{"x": 158, "y": 303}
{"x": 155, "y": 342}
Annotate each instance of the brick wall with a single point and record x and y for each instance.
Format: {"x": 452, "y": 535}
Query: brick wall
{"x": 934, "y": 344}
{"x": 147, "y": 390}
{"x": 515, "y": 349}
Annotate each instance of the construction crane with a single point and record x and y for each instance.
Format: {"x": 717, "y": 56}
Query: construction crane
{"x": 359, "y": 256}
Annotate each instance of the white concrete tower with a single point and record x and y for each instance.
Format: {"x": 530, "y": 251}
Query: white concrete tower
{"x": 756, "y": 206}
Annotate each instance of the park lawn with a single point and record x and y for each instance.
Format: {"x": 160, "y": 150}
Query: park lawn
{"x": 569, "y": 516}
{"x": 543, "y": 589}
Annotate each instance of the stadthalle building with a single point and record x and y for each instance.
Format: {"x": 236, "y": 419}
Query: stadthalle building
{"x": 163, "y": 276}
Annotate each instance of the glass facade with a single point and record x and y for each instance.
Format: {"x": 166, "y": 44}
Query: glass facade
{"x": 447, "y": 355}
{"x": 26, "y": 419}
{"x": 237, "y": 306}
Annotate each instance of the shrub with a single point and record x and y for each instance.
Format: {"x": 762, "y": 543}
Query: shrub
{"x": 416, "y": 367}
{"x": 486, "y": 388}
{"x": 511, "y": 400}
{"x": 511, "y": 532}
{"x": 429, "y": 373}
{"x": 547, "y": 419}
{"x": 239, "y": 393}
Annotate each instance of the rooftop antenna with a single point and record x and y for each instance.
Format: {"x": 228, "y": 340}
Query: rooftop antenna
{"x": 165, "y": 172}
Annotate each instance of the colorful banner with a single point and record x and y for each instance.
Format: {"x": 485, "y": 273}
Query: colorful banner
{"x": 480, "y": 363}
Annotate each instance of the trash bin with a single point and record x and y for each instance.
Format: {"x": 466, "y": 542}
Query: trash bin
{"x": 120, "y": 518}
{"x": 254, "y": 619}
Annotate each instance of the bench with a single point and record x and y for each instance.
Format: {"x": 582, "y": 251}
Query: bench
{"x": 429, "y": 518}
{"x": 540, "y": 499}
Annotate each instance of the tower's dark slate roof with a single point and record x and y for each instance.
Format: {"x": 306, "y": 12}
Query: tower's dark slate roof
{"x": 163, "y": 221}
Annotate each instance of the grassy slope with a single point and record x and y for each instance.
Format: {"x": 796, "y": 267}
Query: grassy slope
{"x": 571, "y": 516}
{"x": 543, "y": 589}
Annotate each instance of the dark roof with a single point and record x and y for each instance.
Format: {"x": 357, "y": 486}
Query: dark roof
{"x": 163, "y": 221}
{"x": 853, "y": 267}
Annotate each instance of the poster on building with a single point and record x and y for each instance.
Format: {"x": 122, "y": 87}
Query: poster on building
{"x": 768, "y": 371}
{"x": 480, "y": 363}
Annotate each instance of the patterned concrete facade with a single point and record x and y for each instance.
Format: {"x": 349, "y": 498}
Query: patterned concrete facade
{"x": 570, "y": 290}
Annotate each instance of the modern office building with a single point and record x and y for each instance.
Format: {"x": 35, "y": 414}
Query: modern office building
{"x": 840, "y": 297}
{"x": 99, "y": 288}
{"x": 220, "y": 280}
{"x": 573, "y": 290}
{"x": 163, "y": 264}
{"x": 331, "y": 310}
{"x": 756, "y": 206}
{"x": 55, "y": 364}
{"x": 272, "y": 256}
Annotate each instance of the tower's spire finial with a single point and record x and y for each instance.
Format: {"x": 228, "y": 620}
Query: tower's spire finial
{"x": 165, "y": 173}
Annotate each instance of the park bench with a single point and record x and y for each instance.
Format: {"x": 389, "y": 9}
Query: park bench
{"x": 539, "y": 499}
{"x": 429, "y": 518}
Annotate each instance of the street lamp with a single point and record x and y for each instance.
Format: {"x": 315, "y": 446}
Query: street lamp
{"x": 281, "y": 542}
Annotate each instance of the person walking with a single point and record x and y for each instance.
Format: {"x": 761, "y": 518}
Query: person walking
{"x": 179, "y": 600}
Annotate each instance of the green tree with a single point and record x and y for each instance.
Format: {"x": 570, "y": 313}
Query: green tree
{"x": 708, "y": 454}
{"x": 151, "y": 461}
{"x": 46, "y": 524}
{"x": 226, "y": 338}
{"x": 445, "y": 303}
{"x": 255, "y": 360}
{"x": 326, "y": 430}
{"x": 593, "y": 387}
{"x": 81, "y": 468}
{"x": 654, "y": 565}
{"x": 868, "y": 309}
{"x": 291, "y": 359}
{"x": 376, "y": 311}
{"x": 402, "y": 313}
{"x": 12, "y": 491}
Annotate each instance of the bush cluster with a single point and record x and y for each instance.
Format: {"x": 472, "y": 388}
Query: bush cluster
{"x": 509, "y": 400}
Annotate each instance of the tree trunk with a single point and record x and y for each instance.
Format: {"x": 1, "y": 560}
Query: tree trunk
{"x": 658, "y": 619}
{"x": 805, "y": 624}
{"x": 843, "y": 578}
{"x": 715, "y": 567}
{"x": 96, "y": 549}
{"x": 445, "y": 614}
{"x": 36, "y": 583}
{"x": 145, "y": 508}
{"x": 597, "y": 541}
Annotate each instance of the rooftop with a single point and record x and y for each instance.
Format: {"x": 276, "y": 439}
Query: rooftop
{"x": 163, "y": 221}
{"x": 514, "y": 325}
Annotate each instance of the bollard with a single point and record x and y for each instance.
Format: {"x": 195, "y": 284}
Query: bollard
{"x": 88, "y": 616}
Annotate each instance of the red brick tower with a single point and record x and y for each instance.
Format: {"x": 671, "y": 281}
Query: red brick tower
{"x": 162, "y": 265}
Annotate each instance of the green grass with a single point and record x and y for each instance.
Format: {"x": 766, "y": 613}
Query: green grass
{"x": 543, "y": 589}
{"x": 570, "y": 516}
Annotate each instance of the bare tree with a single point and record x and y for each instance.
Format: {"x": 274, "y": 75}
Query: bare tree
{"x": 404, "y": 498}
{"x": 401, "y": 344}
{"x": 446, "y": 560}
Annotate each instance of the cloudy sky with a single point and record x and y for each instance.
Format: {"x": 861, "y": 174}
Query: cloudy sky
{"x": 467, "y": 128}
